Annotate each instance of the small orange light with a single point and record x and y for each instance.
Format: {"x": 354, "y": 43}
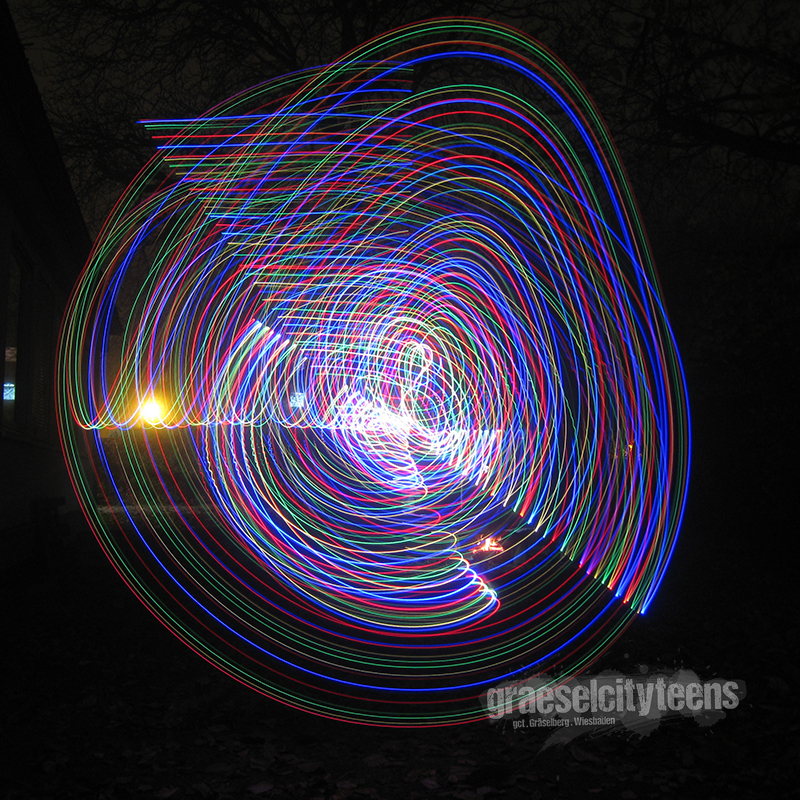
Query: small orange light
{"x": 489, "y": 545}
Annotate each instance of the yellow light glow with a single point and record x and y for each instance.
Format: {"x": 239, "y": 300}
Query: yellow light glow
{"x": 152, "y": 412}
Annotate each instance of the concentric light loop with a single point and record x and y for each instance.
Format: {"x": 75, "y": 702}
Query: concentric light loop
{"x": 375, "y": 382}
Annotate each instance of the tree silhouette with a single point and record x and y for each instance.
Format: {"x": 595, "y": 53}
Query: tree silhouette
{"x": 111, "y": 64}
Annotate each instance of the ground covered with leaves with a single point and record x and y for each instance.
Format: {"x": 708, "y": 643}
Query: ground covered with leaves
{"x": 102, "y": 702}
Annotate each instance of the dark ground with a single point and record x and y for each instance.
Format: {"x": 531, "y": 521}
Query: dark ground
{"x": 102, "y": 702}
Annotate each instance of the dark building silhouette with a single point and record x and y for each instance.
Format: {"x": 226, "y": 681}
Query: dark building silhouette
{"x": 43, "y": 245}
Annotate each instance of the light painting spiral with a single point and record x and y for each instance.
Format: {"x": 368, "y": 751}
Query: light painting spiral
{"x": 368, "y": 390}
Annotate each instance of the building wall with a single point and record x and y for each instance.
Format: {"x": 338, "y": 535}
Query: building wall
{"x": 43, "y": 245}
